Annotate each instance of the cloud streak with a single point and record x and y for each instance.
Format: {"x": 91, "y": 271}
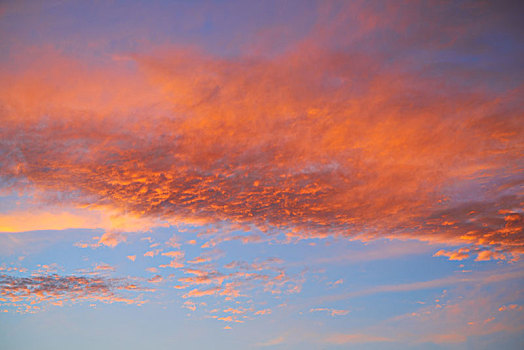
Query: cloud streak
{"x": 27, "y": 294}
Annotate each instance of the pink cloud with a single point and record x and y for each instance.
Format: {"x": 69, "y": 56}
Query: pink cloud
{"x": 332, "y": 312}
{"x": 174, "y": 264}
{"x": 105, "y": 267}
{"x": 152, "y": 253}
{"x": 112, "y": 239}
{"x": 195, "y": 293}
{"x": 156, "y": 279}
{"x": 263, "y": 312}
{"x": 174, "y": 254}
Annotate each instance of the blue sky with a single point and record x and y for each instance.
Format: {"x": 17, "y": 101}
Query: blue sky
{"x": 245, "y": 175}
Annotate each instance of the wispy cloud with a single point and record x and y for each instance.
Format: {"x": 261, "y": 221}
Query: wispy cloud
{"x": 272, "y": 342}
{"x": 332, "y": 312}
{"x": 483, "y": 278}
{"x": 27, "y": 294}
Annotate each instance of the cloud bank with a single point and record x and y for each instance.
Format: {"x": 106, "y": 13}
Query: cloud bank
{"x": 391, "y": 131}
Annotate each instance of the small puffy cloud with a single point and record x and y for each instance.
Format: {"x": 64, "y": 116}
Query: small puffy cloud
{"x": 198, "y": 260}
{"x": 234, "y": 311}
{"x": 189, "y": 305}
{"x": 511, "y": 307}
{"x": 152, "y": 253}
{"x": 263, "y": 312}
{"x": 202, "y": 292}
{"x": 174, "y": 264}
{"x": 486, "y": 255}
{"x": 336, "y": 283}
{"x": 174, "y": 254}
{"x": 105, "y": 267}
{"x": 156, "y": 279}
{"x": 460, "y": 254}
{"x": 173, "y": 242}
{"x": 112, "y": 239}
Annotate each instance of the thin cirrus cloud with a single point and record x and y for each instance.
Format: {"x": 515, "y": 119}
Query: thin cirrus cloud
{"x": 452, "y": 319}
{"x": 356, "y": 141}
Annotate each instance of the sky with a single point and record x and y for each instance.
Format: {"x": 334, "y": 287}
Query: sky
{"x": 261, "y": 175}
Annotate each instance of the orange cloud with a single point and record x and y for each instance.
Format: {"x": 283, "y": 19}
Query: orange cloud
{"x": 200, "y": 293}
{"x": 311, "y": 142}
{"x": 511, "y": 307}
{"x": 105, "y": 267}
{"x": 460, "y": 254}
{"x": 263, "y": 312}
{"x": 174, "y": 264}
{"x": 234, "y": 311}
{"x": 174, "y": 254}
{"x": 152, "y": 253}
{"x": 199, "y": 260}
{"x": 24, "y": 221}
{"x": 189, "y": 305}
{"x": 112, "y": 239}
{"x": 486, "y": 255}
{"x": 56, "y": 217}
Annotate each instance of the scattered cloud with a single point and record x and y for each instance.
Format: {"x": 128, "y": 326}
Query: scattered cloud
{"x": 460, "y": 254}
{"x": 105, "y": 267}
{"x": 332, "y": 312}
{"x": 486, "y": 255}
{"x": 263, "y": 312}
{"x": 27, "y": 294}
{"x": 112, "y": 239}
